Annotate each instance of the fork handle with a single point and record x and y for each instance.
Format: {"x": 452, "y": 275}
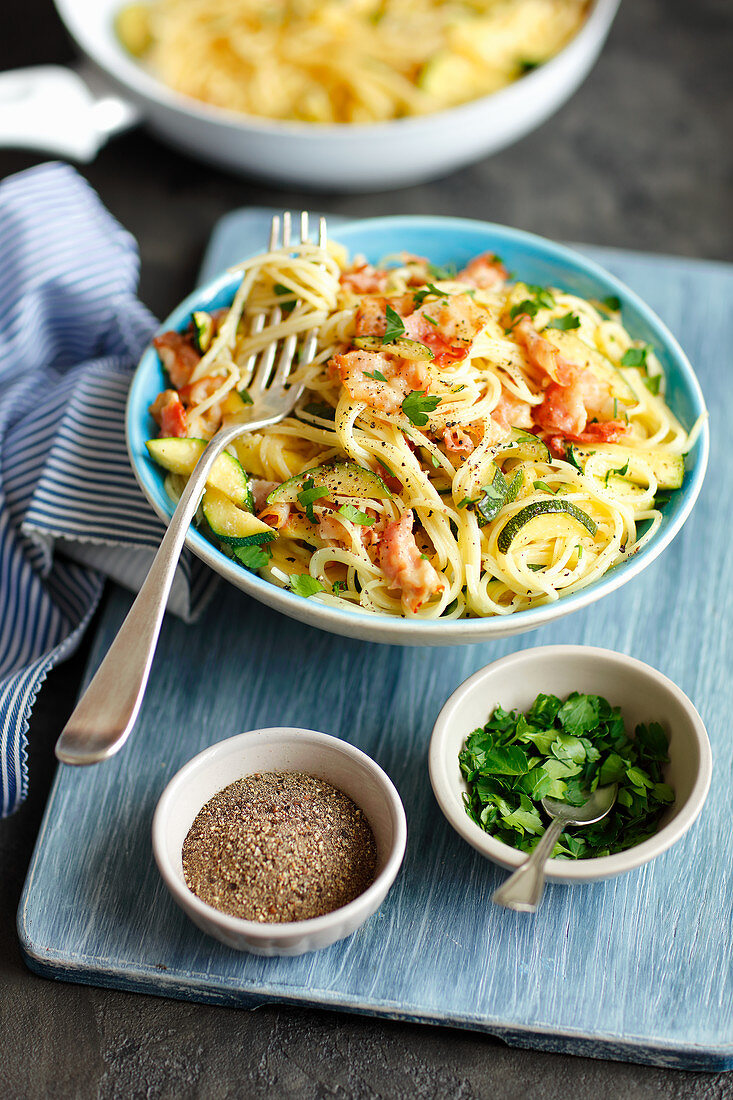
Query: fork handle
{"x": 523, "y": 890}
{"x": 105, "y": 715}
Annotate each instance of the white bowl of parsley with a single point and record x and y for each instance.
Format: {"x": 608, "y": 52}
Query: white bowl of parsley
{"x": 557, "y": 721}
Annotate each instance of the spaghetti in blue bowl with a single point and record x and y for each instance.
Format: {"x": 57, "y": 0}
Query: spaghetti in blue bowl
{"x": 494, "y": 432}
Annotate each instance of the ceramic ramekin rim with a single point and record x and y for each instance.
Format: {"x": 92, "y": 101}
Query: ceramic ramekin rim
{"x": 448, "y": 794}
{"x": 272, "y": 932}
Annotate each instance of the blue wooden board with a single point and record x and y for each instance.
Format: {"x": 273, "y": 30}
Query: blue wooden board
{"x": 637, "y": 968}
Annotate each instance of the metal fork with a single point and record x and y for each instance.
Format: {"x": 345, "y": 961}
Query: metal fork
{"x": 105, "y": 715}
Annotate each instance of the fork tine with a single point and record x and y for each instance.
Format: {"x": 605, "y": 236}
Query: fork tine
{"x": 287, "y": 354}
{"x": 259, "y": 320}
{"x": 267, "y": 355}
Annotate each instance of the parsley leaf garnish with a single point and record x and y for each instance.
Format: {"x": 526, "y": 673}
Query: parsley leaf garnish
{"x": 245, "y": 397}
{"x": 302, "y": 584}
{"x": 285, "y": 292}
{"x": 440, "y": 273}
{"x": 636, "y": 357}
{"x": 417, "y": 405}
{"x": 351, "y": 512}
{"x": 653, "y": 382}
{"x": 395, "y": 327}
{"x": 567, "y": 321}
{"x": 309, "y": 494}
{"x": 252, "y": 557}
{"x": 430, "y": 288}
{"x": 543, "y": 487}
{"x": 612, "y": 302}
{"x": 376, "y": 374}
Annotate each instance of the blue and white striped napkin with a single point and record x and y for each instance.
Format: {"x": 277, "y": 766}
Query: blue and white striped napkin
{"x": 71, "y": 330}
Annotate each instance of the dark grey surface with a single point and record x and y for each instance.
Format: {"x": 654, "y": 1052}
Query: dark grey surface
{"x": 640, "y": 158}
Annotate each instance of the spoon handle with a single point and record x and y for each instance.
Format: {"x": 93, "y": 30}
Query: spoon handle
{"x": 523, "y": 890}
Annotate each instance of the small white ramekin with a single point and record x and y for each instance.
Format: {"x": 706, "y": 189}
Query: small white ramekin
{"x": 642, "y": 693}
{"x": 280, "y": 749}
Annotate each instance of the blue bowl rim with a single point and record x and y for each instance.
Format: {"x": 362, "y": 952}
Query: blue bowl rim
{"x": 441, "y": 631}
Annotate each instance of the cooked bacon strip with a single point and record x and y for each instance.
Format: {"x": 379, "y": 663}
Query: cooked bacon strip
{"x": 567, "y": 410}
{"x": 403, "y": 375}
{"x": 512, "y": 412}
{"x": 400, "y": 560}
{"x": 457, "y": 441}
{"x": 458, "y": 321}
{"x": 177, "y": 355}
{"x": 275, "y": 515}
{"x": 543, "y": 355}
{"x": 169, "y": 414}
{"x": 365, "y": 279}
{"x": 484, "y": 271}
{"x": 260, "y": 489}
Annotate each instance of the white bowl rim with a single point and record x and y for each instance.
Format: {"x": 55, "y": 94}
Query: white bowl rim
{"x": 400, "y": 630}
{"x": 577, "y": 870}
{"x": 134, "y": 76}
{"x": 280, "y": 930}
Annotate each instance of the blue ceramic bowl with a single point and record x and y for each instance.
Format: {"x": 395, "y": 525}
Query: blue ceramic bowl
{"x": 443, "y": 240}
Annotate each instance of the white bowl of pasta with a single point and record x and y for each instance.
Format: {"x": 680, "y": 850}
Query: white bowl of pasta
{"x": 222, "y": 85}
{"x": 473, "y": 455}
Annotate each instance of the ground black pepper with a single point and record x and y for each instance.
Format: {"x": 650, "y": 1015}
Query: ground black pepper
{"x": 279, "y": 846}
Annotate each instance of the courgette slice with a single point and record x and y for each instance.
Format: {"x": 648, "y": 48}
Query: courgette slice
{"x": 181, "y": 455}
{"x": 537, "y": 509}
{"x": 344, "y": 479}
{"x": 668, "y": 469}
{"x": 402, "y": 346}
{"x": 522, "y": 445}
{"x": 233, "y": 525}
{"x": 203, "y": 329}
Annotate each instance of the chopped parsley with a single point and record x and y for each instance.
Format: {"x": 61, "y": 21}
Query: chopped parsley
{"x": 252, "y": 557}
{"x": 621, "y": 471}
{"x": 307, "y": 497}
{"x": 430, "y": 320}
{"x": 376, "y": 375}
{"x": 612, "y": 303}
{"x": 439, "y": 273}
{"x": 338, "y": 586}
{"x": 636, "y": 357}
{"x": 395, "y": 327}
{"x": 420, "y": 295}
{"x": 567, "y": 321}
{"x": 565, "y": 750}
{"x": 543, "y": 487}
{"x": 302, "y": 584}
{"x": 246, "y": 398}
{"x": 351, "y": 512}
{"x": 285, "y": 292}
{"x": 653, "y": 382}
{"x": 417, "y": 405}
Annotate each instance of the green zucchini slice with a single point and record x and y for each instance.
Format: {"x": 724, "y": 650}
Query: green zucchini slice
{"x": 233, "y": 525}
{"x": 179, "y": 456}
{"x": 668, "y": 469}
{"x": 535, "y": 510}
{"x": 402, "y": 346}
{"x": 203, "y": 328}
{"x": 523, "y": 446}
{"x": 344, "y": 479}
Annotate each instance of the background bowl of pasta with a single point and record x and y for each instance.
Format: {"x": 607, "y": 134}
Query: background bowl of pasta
{"x": 514, "y": 528}
{"x": 420, "y": 107}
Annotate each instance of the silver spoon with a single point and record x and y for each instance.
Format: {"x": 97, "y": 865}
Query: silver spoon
{"x": 523, "y": 891}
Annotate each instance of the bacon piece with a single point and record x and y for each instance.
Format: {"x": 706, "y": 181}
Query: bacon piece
{"x": 260, "y": 489}
{"x": 169, "y": 414}
{"x": 365, "y": 279}
{"x": 177, "y": 355}
{"x": 484, "y": 271}
{"x": 352, "y": 369}
{"x": 512, "y": 412}
{"x": 457, "y": 441}
{"x": 543, "y": 355}
{"x": 458, "y": 321}
{"x": 275, "y": 515}
{"x": 400, "y": 560}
